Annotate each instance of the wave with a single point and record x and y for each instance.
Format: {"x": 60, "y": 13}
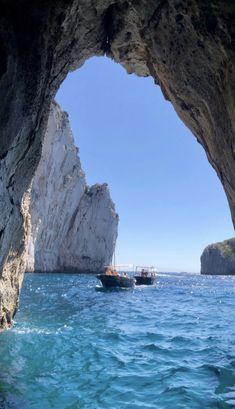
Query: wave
{"x": 38, "y": 330}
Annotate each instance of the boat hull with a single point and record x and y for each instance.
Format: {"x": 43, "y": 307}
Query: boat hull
{"x": 111, "y": 281}
{"x": 144, "y": 280}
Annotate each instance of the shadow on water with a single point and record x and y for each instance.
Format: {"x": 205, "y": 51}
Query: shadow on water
{"x": 9, "y": 399}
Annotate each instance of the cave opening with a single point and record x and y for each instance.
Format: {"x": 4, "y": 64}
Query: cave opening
{"x": 181, "y": 47}
{"x": 169, "y": 199}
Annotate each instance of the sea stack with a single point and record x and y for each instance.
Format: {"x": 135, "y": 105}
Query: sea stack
{"x": 219, "y": 258}
{"x": 73, "y": 226}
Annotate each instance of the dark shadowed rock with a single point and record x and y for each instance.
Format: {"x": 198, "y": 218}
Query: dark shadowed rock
{"x": 219, "y": 258}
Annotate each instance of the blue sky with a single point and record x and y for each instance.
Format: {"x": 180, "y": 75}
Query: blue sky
{"x": 169, "y": 199}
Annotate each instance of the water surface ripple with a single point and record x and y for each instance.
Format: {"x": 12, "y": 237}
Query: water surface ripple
{"x": 170, "y": 346}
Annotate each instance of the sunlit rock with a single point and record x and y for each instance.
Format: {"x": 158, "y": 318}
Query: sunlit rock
{"x": 219, "y": 258}
{"x": 73, "y": 226}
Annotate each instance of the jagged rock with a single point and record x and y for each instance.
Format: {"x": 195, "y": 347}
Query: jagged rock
{"x": 219, "y": 258}
{"x": 186, "y": 46}
{"x": 74, "y": 226}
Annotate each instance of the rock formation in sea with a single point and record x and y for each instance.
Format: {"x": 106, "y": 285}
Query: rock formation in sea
{"x": 188, "y": 47}
{"x": 73, "y": 226}
{"x": 219, "y": 258}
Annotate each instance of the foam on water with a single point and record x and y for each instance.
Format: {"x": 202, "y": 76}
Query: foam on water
{"x": 169, "y": 346}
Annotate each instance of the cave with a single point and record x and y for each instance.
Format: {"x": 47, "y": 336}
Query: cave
{"x": 187, "y": 47}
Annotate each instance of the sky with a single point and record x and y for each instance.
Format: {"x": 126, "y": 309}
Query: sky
{"x": 169, "y": 199}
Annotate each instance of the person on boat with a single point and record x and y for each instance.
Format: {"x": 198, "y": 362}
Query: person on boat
{"x": 108, "y": 271}
{"x": 125, "y": 274}
{"x": 115, "y": 273}
{"x": 144, "y": 273}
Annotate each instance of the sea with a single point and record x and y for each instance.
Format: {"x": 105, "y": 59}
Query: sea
{"x": 167, "y": 346}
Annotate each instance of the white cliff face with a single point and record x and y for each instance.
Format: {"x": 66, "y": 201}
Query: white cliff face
{"x": 73, "y": 226}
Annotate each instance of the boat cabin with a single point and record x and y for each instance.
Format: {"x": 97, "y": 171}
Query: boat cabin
{"x": 145, "y": 275}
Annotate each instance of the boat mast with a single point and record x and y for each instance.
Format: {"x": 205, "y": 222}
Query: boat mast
{"x": 114, "y": 259}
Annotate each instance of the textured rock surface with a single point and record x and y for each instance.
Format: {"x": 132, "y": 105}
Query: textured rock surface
{"x": 219, "y": 258}
{"x": 74, "y": 227}
{"x": 186, "y": 46}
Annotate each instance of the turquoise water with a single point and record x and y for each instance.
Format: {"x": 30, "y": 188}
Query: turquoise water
{"x": 166, "y": 347}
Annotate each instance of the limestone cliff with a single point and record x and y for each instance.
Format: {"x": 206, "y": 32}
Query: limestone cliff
{"x": 73, "y": 226}
{"x": 219, "y": 258}
{"x": 188, "y": 47}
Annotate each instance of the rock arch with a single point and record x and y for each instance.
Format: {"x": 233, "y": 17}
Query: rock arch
{"x": 186, "y": 46}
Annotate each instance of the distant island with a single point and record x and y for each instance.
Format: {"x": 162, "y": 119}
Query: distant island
{"x": 219, "y": 258}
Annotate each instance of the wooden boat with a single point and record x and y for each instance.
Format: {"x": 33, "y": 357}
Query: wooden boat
{"x": 116, "y": 281}
{"x": 145, "y": 275}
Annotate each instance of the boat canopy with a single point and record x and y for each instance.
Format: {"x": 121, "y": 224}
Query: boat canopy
{"x": 149, "y": 269}
{"x": 121, "y": 267}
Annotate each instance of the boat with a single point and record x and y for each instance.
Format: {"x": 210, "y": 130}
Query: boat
{"x": 113, "y": 279}
{"x": 116, "y": 281}
{"x": 145, "y": 275}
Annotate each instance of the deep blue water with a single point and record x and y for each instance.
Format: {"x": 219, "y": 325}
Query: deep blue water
{"x": 164, "y": 347}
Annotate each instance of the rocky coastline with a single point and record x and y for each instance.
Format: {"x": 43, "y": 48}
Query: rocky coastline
{"x": 219, "y": 258}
